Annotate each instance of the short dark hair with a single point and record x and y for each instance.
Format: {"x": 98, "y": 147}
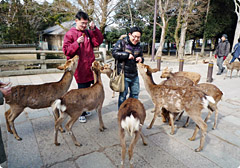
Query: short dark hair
{"x": 239, "y": 39}
{"x": 135, "y": 29}
{"x": 82, "y": 15}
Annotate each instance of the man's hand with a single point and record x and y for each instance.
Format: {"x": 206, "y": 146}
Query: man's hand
{"x": 92, "y": 25}
{"x": 80, "y": 39}
{"x": 6, "y": 91}
{"x": 139, "y": 59}
{"x": 131, "y": 56}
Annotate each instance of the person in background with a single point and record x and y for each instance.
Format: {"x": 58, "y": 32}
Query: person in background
{"x": 222, "y": 52}
{"x": 129, "y": 52}
{"x": 80, "y": 41}
{"x": 236, "y": 53}
{"x": 4, "y": 90}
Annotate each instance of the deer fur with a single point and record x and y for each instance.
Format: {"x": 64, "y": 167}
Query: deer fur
{"x": 37, "y": 96}
{"x": 231, "y": 67}
{"x": 195, "y": 77}
{"x": 176, "y": 99}
{"x": 74, "y": 102}
{"x": 131, "y": 116}
{"x": 108, "y": 71}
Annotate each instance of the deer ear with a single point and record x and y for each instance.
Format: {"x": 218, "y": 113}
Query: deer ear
{"x": 60, "y": 67}
{"x": 154, "y": 70}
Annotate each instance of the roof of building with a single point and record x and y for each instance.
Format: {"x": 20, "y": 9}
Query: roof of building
{"x": 60, "y": 30}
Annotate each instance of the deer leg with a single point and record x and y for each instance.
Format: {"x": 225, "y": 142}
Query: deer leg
{"x": 15, "y": 112}
{"x": 99, "y": 110}
{"x": 56, "y": 116}
{"x": 123, "y": 144}
{"x": 7, "y": 113}
{"x": 172, "y": 123}
{"x": 203, "y": 126}
{"x": 154, "y": 118}
{"x": 132, "y": 145}
{"x": 58, "y": 123}
{"x": 68, "y": 127}
{"x": 186, "y": 123}
{"x": 142, "y": 136}
{"x": 180, "y": 116}
{"x": 215, "y": 120}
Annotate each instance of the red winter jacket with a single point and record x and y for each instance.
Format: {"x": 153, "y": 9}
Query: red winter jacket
{"x": 71, "y": 48}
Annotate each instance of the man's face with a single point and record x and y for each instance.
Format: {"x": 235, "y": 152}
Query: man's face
{"x": 223, "y": 38}
{"x": 135, "y": 37}
{"x": 81, "y": 24}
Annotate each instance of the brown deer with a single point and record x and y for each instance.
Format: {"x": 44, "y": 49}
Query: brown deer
{"x": 74, "y": 102}
{"x": 213, "y": 91}
{"x": 231, "y": 67}
{"x": 37, "y": 96}
{"x": 195, "y": 77}
{"x": 176, "y": 99}
{"x": 131, "y": 116}
{"x": 108, "y": 71}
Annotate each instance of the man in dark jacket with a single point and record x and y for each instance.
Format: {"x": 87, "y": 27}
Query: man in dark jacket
{"x": 236, "y": 53}
{"x": 128, "y": 52}
{"x": 222, "y": 52}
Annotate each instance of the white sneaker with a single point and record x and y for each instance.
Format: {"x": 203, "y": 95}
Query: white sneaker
{"x": 88, "y": 113}
{"x": 82, "y": 119}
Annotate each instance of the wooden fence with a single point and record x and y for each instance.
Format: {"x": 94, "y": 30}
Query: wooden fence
{"x": 21, "y": 67}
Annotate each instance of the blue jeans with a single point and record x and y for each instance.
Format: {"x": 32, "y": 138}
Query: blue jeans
{"x": 133, "y": 85}
{"x": 84, "y": 85}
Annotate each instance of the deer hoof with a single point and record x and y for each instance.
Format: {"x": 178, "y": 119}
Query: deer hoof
{"x": 191, "y": 139}
{"x": 149, "y": 127}
{"x": 145, "y": 143}
{"x": 198, "y": 149}
{"x": 57, "y": 144}
{"x": 78, "y": 144}
{"x": 18, "y": 138}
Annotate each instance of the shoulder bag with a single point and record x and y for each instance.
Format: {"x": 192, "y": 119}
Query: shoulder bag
{"x": 117, "y": 80}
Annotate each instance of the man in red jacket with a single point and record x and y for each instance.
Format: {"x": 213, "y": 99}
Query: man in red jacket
{"x": 80, "y": 41}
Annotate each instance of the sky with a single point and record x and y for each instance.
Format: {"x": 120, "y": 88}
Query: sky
{"x": 41, "y": 1}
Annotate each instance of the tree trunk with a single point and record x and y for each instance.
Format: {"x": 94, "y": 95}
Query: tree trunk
{"x": 203, "y": 45}
{"x": 205, "y": 22}
{"x": 130, "y": 12}
{"x": 179, "y": 18}
{"x": 162, "y": 40}
{"x": 184, "y": 29}
{"x": 237, "y": 31}
{"x": 182, "y": 40}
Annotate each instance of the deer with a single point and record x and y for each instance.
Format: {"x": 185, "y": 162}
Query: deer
{"x": 195, "y": 77}
{"x": 131, "y": 117}
{"x": 176, "y": 99}
{"x": 213, "y": 91}
{"x": 231, "y": 67}
{"x": 38, "y": 96}
{"x": 108, "y": 71}
{"x": 74, "y": 102}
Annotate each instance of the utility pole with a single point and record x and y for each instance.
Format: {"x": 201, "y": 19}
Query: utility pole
{"x": 154, "y": 31}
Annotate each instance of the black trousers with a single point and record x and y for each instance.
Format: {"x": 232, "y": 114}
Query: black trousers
{"x": 2, "y": 151}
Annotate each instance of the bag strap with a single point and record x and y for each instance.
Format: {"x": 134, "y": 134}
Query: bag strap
{"x": 89, "y": 37}
{"x": 123, "y": 43}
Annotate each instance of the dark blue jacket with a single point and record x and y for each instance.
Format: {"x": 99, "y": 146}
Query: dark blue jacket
{"x": 130, "y": 68}
{"x": 237, "y": 50}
